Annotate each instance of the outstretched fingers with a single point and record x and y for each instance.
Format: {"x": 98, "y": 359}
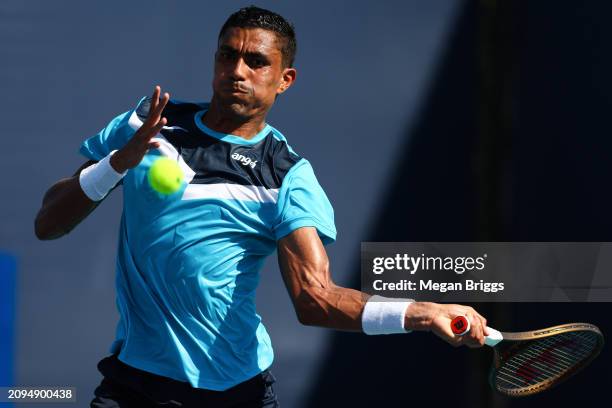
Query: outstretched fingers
{"x": 157, "y": 106}
{"x": 155, "y": 112}
{"x": 154, "y": 122}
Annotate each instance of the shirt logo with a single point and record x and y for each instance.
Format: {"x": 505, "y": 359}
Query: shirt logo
{"x": 245, "y": 161}
{"x": 174, "y": 128}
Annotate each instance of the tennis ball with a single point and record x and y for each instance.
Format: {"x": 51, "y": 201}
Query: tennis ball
{"x": 165, "y": 176}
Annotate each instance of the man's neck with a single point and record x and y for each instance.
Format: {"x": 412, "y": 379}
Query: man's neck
{"x": 220, "y": 123}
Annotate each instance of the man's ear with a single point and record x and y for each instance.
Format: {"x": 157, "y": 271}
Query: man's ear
{"x": 287, "y": 79}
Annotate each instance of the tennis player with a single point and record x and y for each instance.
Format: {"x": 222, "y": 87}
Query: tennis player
{"x": 188, "y": 263}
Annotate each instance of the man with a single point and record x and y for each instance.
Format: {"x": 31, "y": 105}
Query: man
{"x": 188, "y": 263}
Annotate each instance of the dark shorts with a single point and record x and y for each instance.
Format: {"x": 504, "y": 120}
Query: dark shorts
{"x": 126, "y": 386}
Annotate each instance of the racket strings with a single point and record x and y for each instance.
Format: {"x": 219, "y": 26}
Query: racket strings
{"x": 538, "y": 363}
{"x": 548, "y": 354}
{"x": 544, "y": 360}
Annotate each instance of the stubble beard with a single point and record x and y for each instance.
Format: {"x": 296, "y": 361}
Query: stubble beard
{"x": 235, "y": 110}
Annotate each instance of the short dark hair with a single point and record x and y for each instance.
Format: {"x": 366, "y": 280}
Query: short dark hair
{"x": 255, "y": 17}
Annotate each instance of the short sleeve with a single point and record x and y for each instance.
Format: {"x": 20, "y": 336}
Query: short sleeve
{"x": 113, "y": 136}
{"x": 303, "y": 203}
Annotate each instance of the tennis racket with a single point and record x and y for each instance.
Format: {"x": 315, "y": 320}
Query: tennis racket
{"x": 527, "y": 363}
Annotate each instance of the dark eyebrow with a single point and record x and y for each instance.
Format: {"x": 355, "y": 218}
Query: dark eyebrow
{"x": 228, "y": 48}
{"x": 255, "y": 54}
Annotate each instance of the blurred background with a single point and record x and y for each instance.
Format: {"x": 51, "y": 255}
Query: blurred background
{"x": 424, "y": 120}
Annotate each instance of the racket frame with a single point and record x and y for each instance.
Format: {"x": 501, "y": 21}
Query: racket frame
{"x": 514, "y": 340}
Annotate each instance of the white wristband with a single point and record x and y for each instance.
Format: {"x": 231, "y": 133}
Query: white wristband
{"x": 99, "y": 178}
{"x": 384, "y": 315}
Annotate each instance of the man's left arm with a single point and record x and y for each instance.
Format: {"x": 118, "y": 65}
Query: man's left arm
{"x": 319, "y": 302}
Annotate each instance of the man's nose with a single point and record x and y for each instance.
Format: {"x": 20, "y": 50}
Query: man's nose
{"x": 238, "y": 69}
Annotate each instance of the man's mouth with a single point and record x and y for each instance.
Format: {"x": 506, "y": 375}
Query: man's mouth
{"x": 236, "y": 89}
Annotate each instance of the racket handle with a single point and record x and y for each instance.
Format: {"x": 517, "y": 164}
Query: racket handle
{"x": 460, "y": 326}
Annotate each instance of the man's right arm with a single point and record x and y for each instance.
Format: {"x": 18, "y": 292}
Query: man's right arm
{"x": 65, "y": 204}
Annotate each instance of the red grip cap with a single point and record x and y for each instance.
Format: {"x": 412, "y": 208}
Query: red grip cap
{"x": 460, "y": 325}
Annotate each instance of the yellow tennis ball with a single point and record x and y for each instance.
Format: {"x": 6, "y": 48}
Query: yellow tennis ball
{"x": 165, "y": 176}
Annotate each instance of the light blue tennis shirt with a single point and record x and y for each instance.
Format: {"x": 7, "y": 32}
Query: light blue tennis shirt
{"x": 188, "y": 264}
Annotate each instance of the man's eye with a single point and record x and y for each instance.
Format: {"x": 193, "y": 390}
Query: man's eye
{"x": 257, "y": 62}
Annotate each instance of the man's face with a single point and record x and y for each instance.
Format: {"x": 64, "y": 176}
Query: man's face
{"x": 248, "y": 72}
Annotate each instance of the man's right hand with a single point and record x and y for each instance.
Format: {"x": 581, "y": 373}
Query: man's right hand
{"x": 131, "y": 154}
{"x": 437, "y": 317}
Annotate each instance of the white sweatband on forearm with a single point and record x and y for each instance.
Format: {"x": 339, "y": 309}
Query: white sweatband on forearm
{"x": 383, "y": 315}
{"x": 99, "y": 178}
